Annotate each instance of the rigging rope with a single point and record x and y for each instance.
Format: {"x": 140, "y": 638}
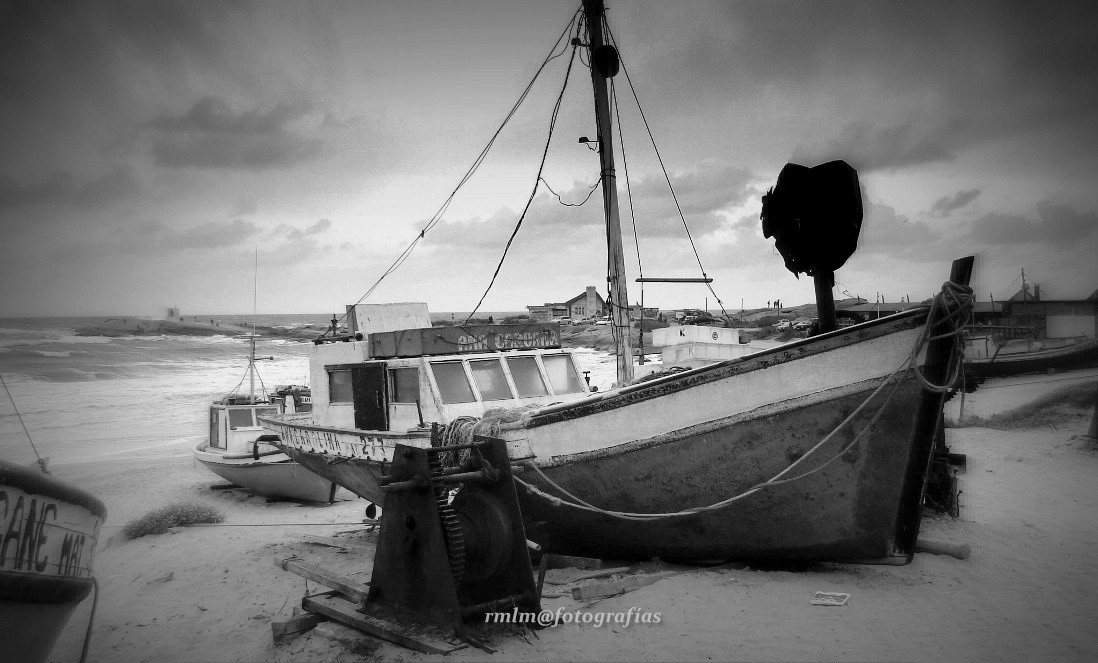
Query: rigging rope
{"x": 590, "y": 191}
{"x": 41, "y": 463}
{"x": 537, "y": 180}
{"x": 667, "y": 178}
{"x": 437, "y": 216}
{"x": 629, "y": 198}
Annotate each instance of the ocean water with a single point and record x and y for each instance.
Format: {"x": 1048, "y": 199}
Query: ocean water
{"x": 90, "y": 398}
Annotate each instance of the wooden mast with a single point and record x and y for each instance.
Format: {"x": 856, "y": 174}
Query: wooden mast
{"x": 601, "y": 69}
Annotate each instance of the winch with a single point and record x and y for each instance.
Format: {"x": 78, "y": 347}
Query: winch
{"x": 452, "y": 544}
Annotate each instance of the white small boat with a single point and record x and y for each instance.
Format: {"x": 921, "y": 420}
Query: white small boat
{"x": 49, "y": 534}
{"x": 240, "y": 451}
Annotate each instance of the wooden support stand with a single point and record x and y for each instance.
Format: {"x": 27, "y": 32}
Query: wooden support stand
{"x": 344, "y": 605}
{"x": 441, "y": 558}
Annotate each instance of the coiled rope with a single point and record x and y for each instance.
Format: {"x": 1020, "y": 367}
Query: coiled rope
{"x": 955, "y": 300}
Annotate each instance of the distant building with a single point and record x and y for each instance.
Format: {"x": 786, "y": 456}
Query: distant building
{"x": 867, "y": 311}
{"x": 588, "y": 304}
{"x": 843, "y": 304}
{"x": 1023, "y": 315}
{"x": 1057, "y": 318}
{"x": 650, "y": 312}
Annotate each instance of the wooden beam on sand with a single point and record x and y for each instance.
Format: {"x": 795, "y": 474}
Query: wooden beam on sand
{"x": 958, "y": 550}
{"x": 289, "y": 625}
{"x": 604, "y": 589}
{"x": 348, "y": 587}
{"x": 343, "y": 611}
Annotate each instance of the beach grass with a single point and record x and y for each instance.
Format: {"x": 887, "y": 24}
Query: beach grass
{"x": 1068, "y": 404}
{"x": 179, "y": 514}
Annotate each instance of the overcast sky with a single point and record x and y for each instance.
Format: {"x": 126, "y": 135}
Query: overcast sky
{"x": 148, "y": 148}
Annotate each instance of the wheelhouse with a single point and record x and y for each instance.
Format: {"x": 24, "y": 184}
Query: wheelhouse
{"x": 235, "y": 427}
{"x": 398, "y": 394}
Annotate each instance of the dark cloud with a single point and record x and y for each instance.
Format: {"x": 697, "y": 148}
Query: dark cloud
{"x": 886, "y": 234}
{"x": 869, "y": 147}
{"x": 211, "y": 134}
{"x": 948, "y": 204}
{"x": 155, "y": 239}
{"x": 708, "y": 188}
{"x": 14, "y": 194}
{"x": 1055, "y": 225}
{"x": 704, "y": 195}
{"x": 936, "y": 76}
{"x": 64, "y": 188}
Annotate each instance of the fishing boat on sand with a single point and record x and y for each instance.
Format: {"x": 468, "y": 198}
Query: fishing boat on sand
{"x": 49, "y": 532}
{"x": 240, "y": 451}
{"x": 987, "y": 355}
{"x": 819, "y": 449}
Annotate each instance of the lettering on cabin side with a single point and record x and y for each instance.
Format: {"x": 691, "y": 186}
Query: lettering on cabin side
{"x": 519, "y": 340}
{"x": 514, "y": 340}
{"x": 472, "y": 343}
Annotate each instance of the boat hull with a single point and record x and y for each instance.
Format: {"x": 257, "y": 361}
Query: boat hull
{"x": 277, "y": 477}
{"x": 361, "y": 477}
{"x": 848, "y": 510}
{"x": 1079, "y": 355}
{"x": 50, "y": 533}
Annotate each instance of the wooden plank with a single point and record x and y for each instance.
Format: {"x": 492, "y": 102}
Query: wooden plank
{"x": 958, "y": 550}
{"x": 591, "y": 575}
{"x": 296, "y": 624}
{"x": 604, "y": 589}
{"x": 344, "y": 612}
{"x": 333, "y": 542}
{"x": 348, "y": 587}
{"x": 566, "y": 561}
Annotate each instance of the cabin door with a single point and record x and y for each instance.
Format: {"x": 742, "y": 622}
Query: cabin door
{"x": 368, "y": 387}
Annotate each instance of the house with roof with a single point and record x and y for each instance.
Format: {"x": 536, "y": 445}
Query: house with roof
{"x": 587, "y": 304}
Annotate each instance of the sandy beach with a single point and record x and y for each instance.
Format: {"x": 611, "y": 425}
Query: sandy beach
{"x": 209, "y": 593}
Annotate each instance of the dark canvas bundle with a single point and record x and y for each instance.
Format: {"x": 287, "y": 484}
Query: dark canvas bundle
{"x": 814, "y": 215}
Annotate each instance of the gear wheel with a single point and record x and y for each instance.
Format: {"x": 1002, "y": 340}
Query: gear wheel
{"x": 484, "y": 520}
{"x": 451, "y": 524}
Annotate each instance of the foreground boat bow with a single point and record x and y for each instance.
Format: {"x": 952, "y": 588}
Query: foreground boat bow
{"x": 819, "y": 450}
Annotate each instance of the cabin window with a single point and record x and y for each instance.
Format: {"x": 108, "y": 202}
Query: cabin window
{"x": 240, "y": 417}
{"x": 488, "y": 374}
{"x": 264, "y": 412}
{"x": 215, "y": 438}
{"x": 527, "y": 377}
{"x": 339, "y": 387}
{"x": 562, "y": 374}
{"x": 405, "y": 385}
{"x": 453, "y": 385}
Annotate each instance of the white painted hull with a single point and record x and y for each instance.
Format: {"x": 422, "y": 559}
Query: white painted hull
{"x": 274, "y": 475}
